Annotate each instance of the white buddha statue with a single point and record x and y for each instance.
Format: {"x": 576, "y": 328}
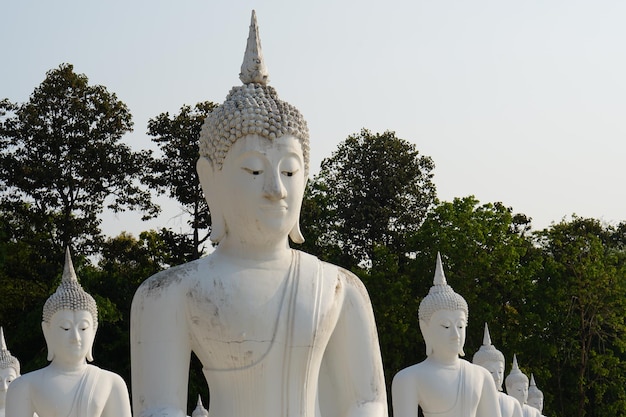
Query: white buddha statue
{"x": 69, "y": 387}
{"x": 492, "y": 360}
{"x": 444, "y": 385}
{"x": 278, "y": 332}
{"x": 535, "y": 396}
{"x": 9, "y": 370}
{"x": 517, "y": 387}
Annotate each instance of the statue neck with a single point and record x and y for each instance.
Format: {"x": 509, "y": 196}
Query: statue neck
{"x": 68, "y": 368}
{"x": 443, "y": 361}
{"x": 247, "y": 251}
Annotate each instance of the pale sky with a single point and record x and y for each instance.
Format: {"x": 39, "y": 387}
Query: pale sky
{"x": 522, "y": 102}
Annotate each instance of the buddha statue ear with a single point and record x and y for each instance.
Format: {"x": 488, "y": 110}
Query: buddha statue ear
{"x": 45, "y": 327}
{"x": 295, "y": 234}
{"x": 426, "y": 336}
{"x": 206, "y": 174}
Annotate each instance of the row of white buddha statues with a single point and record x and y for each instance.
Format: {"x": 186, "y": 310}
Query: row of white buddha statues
{"x": 279, "y": 333}
{"x": 70, "y": 387}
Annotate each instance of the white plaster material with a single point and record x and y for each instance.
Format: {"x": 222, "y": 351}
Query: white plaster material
{"x": 9, "y": 370}
{"x": 517, "y": 387}
{"x": 535, "y": 396}
{"x": 69, "y": 387}
{"x": 278, "y": 332}
{"x": 444, "y": 385}
{"x": 492, "y": 359}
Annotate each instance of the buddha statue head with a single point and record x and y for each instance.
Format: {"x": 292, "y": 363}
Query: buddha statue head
{"x": 70, "y": 319}
{"x": 517, "y": 383}
{"x": 535, "y": 396}
{"x": 440, "y": 312}
{"x": 9, "y": 368}
{"x": 253, "y": 115}
{"x": 491, "y": 359}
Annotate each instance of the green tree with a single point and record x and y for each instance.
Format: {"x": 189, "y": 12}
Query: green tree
{"x": 581, "y": 304}
{"x": 63, "y": 162}
{"x": 174, "y": 172}
{"x": 489, "y": 258}
{"x": 373, "y": 191}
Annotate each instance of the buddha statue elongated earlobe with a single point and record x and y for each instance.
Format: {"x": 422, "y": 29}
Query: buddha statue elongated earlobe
{"x": 206, "y": 174}
{"x": 45, "y": 327}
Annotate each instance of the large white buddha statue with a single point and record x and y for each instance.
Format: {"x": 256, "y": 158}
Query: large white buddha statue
{"x": 535, "y": 396}
{"x": 492, "y": 360}
{"x": 9, "y": 370}
{"x": 444, "y": 385}
{"x": 69, "y": 387}
{"x": 278, "y": 332}
{"x": 517, "y": 387}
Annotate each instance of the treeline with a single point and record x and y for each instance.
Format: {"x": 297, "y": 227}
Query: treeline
{"x": 554, "y": 297}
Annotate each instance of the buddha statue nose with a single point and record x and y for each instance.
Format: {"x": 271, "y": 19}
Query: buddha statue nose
{"x": 273, "y": 187}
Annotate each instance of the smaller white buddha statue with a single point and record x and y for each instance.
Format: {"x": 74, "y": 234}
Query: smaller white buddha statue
{"x": 517, "y": 387}
{"x": 492, "y": 359}
{"x": 9, "y": 370}
{"x": 444, "y": 385}
{"x": 69, "y": 387}
{"x": 535, "y": 396}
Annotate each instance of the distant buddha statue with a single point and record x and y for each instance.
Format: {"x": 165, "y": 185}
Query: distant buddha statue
{"x": 278, "y": 332}
{"x": 492, "y": 359}
{"x": 200, "y": 411}
{"x": 517, "y": 387}
{"x": 69, "y": 387}
{"x": 535, "y": 396}
{"x": 9, "y": 370}
{"x": 444, "y": 385}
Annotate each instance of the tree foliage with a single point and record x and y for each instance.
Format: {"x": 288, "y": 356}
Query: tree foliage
{"x": 63, "y": 161}
{"x": 582, "y": 301}
{"x": 174, "y": 172}
{"x": 374, "y": 191}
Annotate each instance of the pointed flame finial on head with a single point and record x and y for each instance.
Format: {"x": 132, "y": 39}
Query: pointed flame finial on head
{"x": 253, "y": 69}
{"x": 440, "y": 278}
{"x": 69, "y": 274}
{"x": 3, "y": 344}
{"x": 486, "y": 336}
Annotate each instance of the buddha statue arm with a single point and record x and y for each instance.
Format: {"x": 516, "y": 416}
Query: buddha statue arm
{"x": 404, "y": 394}
{"x": 160, "y": 348}
{"x": 117, "y": 404}
{"x": 353, "y": 355}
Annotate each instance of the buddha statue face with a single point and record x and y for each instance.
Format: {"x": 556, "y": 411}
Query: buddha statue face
{"x": 518, "y": 390}
{"x": 444, "y": 333}
{"x": 536, "y": 402}
{"x": 496, "y": 369}
{"x": 7, "y": 375}
{"x": 70, "y": 336}
{"x": 259, "y": 189}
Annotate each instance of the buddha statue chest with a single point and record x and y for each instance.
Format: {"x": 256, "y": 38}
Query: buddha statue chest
{"x": 237, "y": 319}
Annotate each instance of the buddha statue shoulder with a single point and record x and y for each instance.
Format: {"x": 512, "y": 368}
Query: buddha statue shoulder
{"x": 69, "y": 386}
{"x": 278, "y": 332}
{"x": 444, "y": 385}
